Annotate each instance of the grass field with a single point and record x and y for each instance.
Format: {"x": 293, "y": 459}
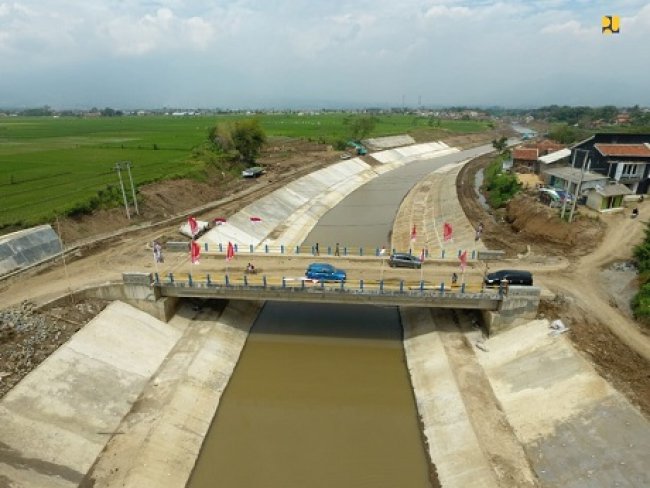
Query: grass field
{"x": 50, "y": 166}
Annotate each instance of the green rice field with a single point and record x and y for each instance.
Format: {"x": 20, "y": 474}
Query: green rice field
{"x": 51, "y": 166}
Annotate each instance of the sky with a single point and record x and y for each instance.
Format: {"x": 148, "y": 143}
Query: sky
{"x": 310, "y": 54}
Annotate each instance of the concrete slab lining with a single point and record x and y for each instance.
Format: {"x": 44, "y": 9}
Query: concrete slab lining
{"x": 452, "y": 442}
{"x": 28, "y": 246}
{"x": 577, "y": 430}
{"x": 388, "y": 142}
{"x": 57, "y": 420}
{"x": 160, "y": 447}
{"x": 289, "y": 213}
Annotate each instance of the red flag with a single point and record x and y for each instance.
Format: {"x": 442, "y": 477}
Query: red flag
{"x": 219, "y": 221}
{"x": 422, "y": 256}
{"x": 414, "y": 233}
{"x": 230, "y": 252}
{"x": 195, "y": 252}
{"x": 194, "y": 227}
{"x": 255, "y": 219}
{"x": 463, "y": 260}
{"x": 447, "y": 231}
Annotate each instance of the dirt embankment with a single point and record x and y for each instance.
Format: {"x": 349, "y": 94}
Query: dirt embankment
{"x": 528, "y": 227}
{"x": 283, "y": 160}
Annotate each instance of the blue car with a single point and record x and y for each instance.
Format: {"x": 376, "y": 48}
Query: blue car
{"x": 324, "y": 272}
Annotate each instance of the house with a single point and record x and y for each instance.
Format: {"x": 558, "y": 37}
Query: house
{"x": 552, "y": 160}
{"x": 524, "y": 158}
{"x": 623, "y": 158}
{"x": 602, "y": 194}
{"x": 547, "y": 146}
{"x": 608, "y": 197}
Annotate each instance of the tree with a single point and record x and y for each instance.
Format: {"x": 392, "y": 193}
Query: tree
{"x": 565, "y": 134}
{"x": 500, "y": 144}
{"x": 248, "y": 138}
{"x": 361, "y": 127}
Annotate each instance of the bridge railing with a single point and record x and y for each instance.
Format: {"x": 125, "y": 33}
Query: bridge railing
{"x": 369, "y": 287}
{"x": 221, "y": 248}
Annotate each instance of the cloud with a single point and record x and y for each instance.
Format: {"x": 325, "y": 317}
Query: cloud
{"x": 162, "y": 30}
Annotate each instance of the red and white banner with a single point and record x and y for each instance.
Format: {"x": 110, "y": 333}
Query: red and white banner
{"x": 195, "y": 252}
{"x": 219, "y": 221}
{"x": 414, "y": 233}
{"x": 230, "y": 251}
{"x": 447, "y": 231}
{"x": 255, "y": 219}
{"x": 194, "y": 227}
{"x": 463, "y": 260}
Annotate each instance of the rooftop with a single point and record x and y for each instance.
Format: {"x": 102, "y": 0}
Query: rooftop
{"x": 629, "y": 150}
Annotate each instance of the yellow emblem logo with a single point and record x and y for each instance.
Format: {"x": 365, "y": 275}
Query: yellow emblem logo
{"x": 611, "y": 24}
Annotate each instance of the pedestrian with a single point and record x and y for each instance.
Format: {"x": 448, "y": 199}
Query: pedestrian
{"x": 157, "y": 252}
{"x": 316, "y": 252}
{"x": 336, "y": 250}
{"x": 480, "y": 228}
{"x": 454, "y": 278}
{"x": 477, "y": 236}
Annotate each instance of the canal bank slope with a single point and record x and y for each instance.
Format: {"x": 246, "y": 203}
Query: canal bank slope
{"x": 56, "y": 421}
{"x": 161, "y": 437}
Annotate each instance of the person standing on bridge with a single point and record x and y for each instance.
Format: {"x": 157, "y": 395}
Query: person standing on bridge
{"x": 336, "y": 250}
{"x": 316, "y": 251}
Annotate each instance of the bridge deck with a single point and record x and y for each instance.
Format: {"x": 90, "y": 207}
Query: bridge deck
{"x": 402, "y": 295}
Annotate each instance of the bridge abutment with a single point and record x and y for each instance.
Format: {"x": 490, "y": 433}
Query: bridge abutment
{"x": 519, "y": 305}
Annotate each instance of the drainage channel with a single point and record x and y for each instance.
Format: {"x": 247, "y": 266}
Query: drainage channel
{"x": 320, "y": 397}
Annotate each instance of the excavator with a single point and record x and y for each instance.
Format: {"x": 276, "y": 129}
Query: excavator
{"x": 361, "y": 151}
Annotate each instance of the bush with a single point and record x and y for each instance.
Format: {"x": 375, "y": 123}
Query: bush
{"x": 641, "y": 301}
{"x": 500, "y": 186}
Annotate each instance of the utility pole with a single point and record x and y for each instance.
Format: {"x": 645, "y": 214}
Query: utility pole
{"x": 65, "y": 266}
{"x": 573, "y": 163}
{"x": 582, "y": 174}
{"x": 135, "y": 200}
{"x": 126, "y": 204}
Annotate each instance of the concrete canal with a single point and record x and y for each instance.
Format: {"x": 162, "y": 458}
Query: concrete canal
{"x": 320, "y": 397}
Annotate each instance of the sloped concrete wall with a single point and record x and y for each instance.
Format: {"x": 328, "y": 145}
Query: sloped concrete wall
{"x": 289, "y": 213}
{"x": 29, "y": 246}
{"x": 57, "y": 420}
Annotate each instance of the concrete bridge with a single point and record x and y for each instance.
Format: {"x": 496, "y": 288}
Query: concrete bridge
{"x": 500, "y": 307}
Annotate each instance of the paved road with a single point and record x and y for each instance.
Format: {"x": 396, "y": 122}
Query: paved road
{"x": 365, "y": 217}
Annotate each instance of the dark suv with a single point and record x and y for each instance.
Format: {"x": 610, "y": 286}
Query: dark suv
{"x": 513, "y": 276}
{"x": 404, "y": 260}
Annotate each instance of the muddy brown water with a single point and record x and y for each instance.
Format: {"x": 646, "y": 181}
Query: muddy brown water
{"x": 320, "y": 397}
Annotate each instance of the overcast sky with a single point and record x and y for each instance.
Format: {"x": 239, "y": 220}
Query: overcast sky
{"x": 321, "y": 53}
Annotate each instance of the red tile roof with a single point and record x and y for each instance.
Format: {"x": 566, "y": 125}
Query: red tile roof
{"x": 525, "y": 154}
{"x": 630, "y": 150}
{"x": 547, "y": 146}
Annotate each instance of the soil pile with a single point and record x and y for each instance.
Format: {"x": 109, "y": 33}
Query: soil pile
{"x": 539, "y": 223}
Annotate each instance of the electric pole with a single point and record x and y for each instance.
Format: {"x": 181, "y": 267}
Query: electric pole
{"x": 135, "y": 200}
{"x": 582, "y": 174}
{"x": 126, "y": 204}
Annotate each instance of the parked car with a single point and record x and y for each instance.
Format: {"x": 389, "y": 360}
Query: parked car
{"x": 404, "y": 260}
{"x": 345, "y": 156}
{"x": 325, "y": 272}
{"x": 253, "y": 172}
{"x": 513, "y": 276}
